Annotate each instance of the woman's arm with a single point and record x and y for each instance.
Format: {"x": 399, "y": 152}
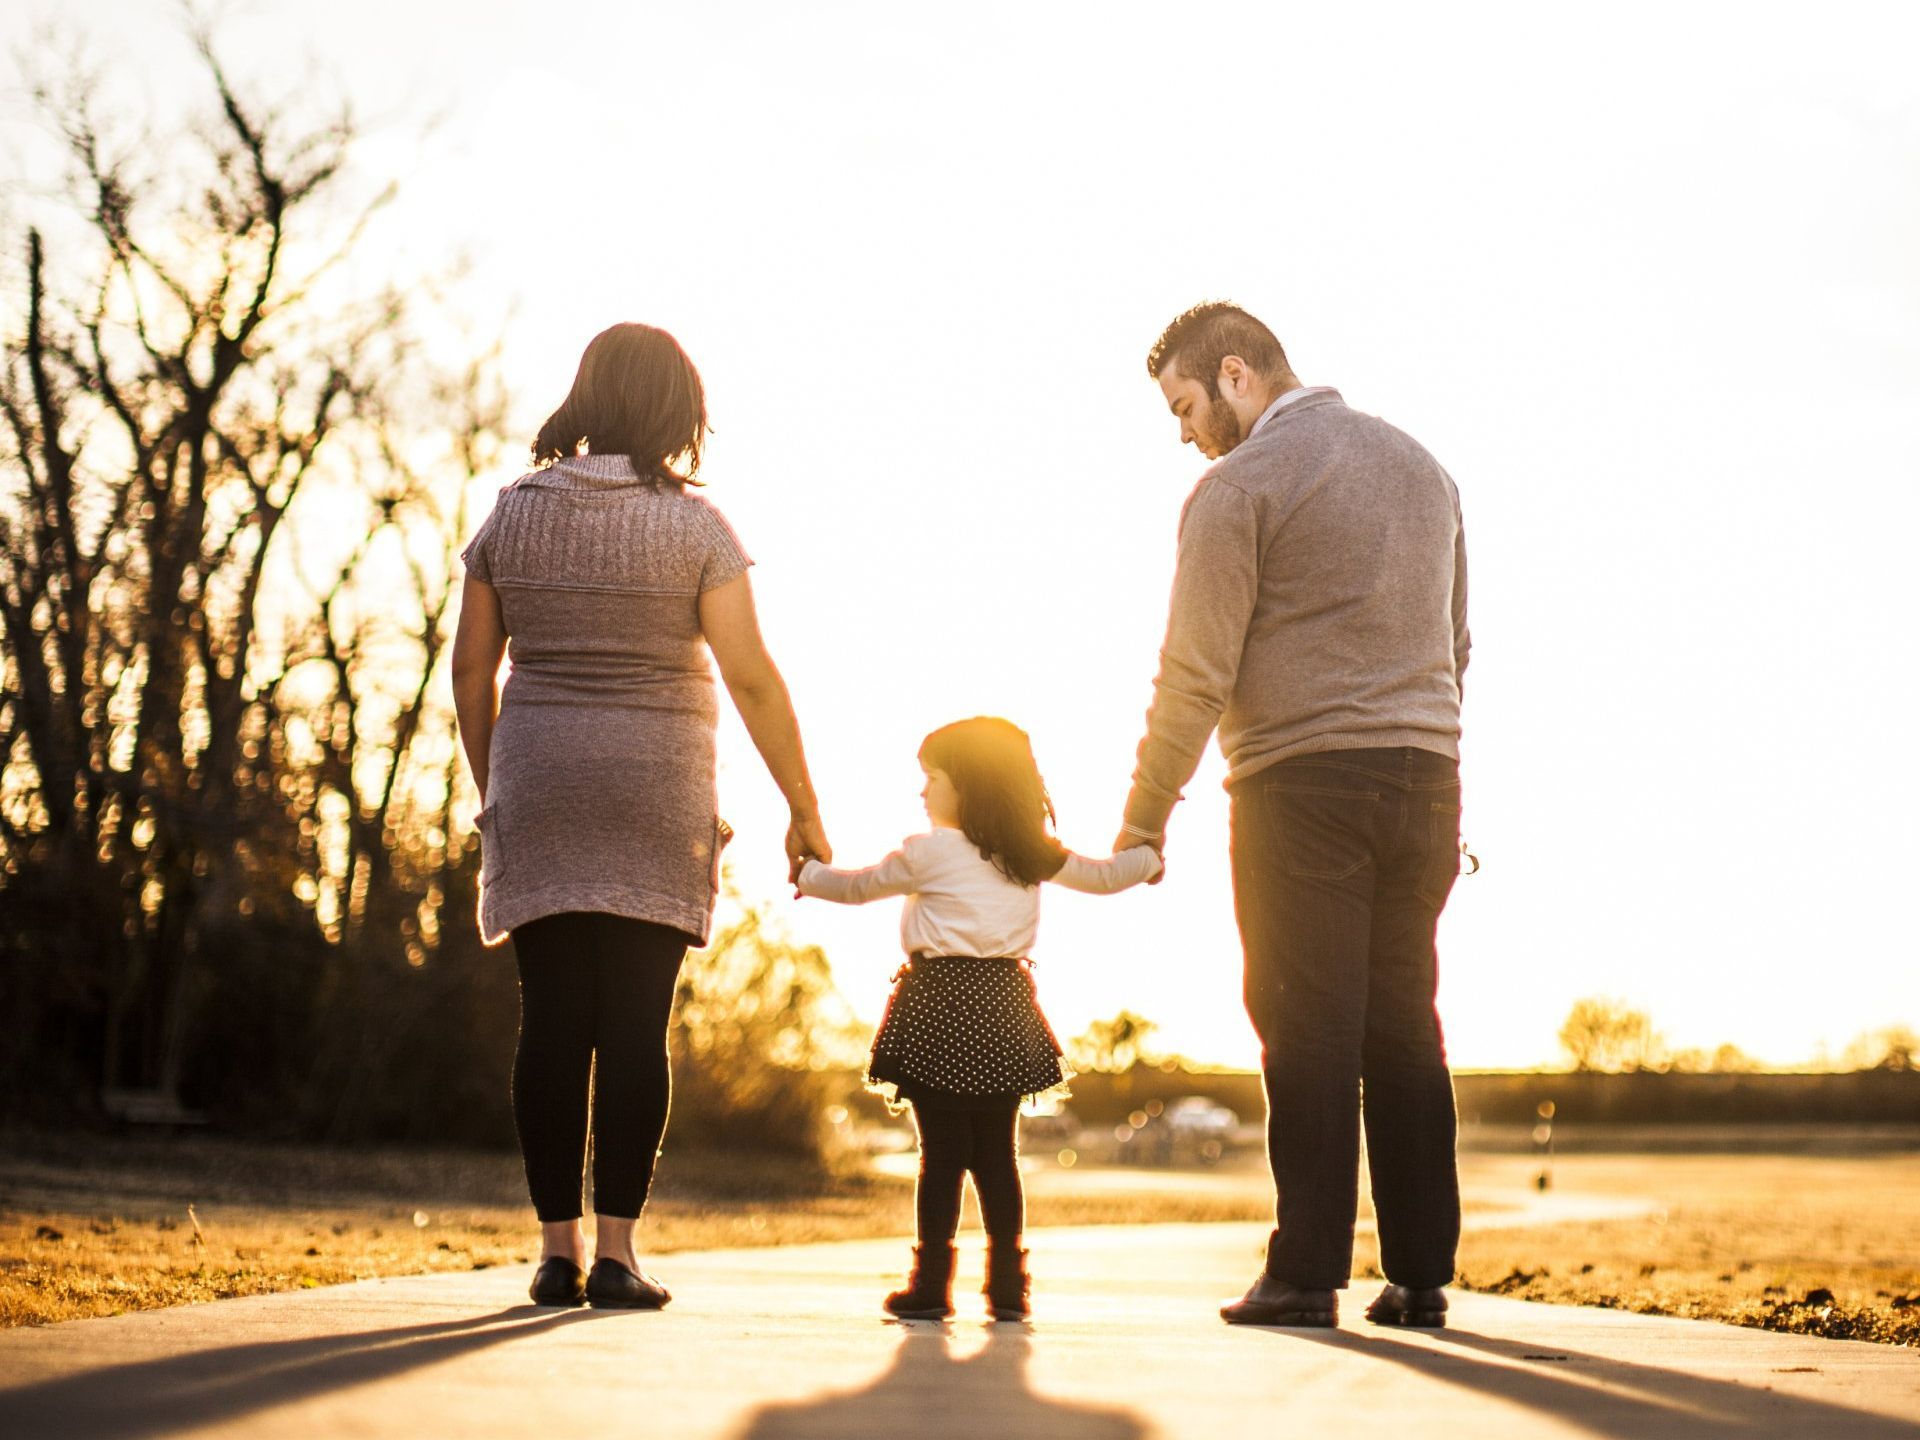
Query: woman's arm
{"x": 892, "y": 876}
{"x": 478, "y": 645}
{"x": 732, "y": 628}
{"x": 1103, "y": 877}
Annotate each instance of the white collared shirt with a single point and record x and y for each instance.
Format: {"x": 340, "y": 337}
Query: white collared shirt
{"x": 1299, "y": 393}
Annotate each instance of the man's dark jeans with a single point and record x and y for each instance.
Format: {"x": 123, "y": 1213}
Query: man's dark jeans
{"x": 1342, "y": 862}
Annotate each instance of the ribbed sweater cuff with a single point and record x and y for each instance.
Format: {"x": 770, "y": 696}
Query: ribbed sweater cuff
{"x": 1146, "y": 813}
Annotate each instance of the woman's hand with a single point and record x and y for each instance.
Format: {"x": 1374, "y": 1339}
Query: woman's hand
{"x": 806, "y": 840}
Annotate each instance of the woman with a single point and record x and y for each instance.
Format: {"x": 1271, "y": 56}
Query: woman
{"x": 600, "y": 840}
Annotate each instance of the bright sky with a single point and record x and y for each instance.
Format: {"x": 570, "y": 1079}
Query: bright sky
{"x": 1641, "y": 277}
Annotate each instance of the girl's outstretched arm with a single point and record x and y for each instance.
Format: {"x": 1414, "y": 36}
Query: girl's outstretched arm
{"x": 892, "y": 876}
{"x": 1104, "y": 877}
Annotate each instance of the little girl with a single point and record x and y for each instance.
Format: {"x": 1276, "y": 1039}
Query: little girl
{"x": 963, "y": 1038}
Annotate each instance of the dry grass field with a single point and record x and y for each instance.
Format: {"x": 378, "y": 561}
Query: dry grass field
{"x": 1823, "y": 1243}
{"x": 93, "y": 1226}
{"x": 1820, "y": 1243}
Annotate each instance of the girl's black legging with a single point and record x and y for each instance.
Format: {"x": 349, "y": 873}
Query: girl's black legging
{"x": 953, "y": 1142}
{"x": 596, "y": 992}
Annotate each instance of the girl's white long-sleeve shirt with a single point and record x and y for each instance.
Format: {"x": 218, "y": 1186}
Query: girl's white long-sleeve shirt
{"x": 960, "y": 903}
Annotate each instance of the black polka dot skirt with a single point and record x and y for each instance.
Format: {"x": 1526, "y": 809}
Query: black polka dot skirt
{"x": 962, "y": 1031}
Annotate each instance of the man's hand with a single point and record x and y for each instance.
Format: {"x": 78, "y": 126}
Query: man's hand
{"x": 1127, "y": 840}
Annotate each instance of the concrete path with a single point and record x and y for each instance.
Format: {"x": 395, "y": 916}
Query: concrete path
{"x": 790, "y": 1343}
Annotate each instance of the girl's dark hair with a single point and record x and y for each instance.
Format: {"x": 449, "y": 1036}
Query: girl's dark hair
{"x": 636, "y": 394}
{"x": 1004, "y": 806}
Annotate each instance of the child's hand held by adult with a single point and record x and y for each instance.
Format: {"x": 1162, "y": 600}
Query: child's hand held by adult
{"x": 1130, "y": 840}
{"x": 806, "y": 840}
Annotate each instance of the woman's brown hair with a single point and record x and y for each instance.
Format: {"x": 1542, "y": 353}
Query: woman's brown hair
{"x": 636, "y": 394}
{"x": 1004, "y": 806}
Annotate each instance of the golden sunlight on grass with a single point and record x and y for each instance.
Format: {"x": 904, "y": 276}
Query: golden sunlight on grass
{"x": 1821, "y": 1244}
{"x": 96, "y": 1227}
{"x": 91, "y": 1227}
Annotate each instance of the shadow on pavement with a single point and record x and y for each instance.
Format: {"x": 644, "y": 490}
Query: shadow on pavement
{"x": 1609, "y": 1397}
{"x": 207, "y": 1387}
{"x": 931, "y": 1395}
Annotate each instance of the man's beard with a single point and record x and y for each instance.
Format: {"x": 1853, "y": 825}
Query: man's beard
{"x": 1222, "y": 424}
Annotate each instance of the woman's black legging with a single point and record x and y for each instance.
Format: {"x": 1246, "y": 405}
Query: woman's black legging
{"x": 596, "y": 992}
{"x": 953, "y": 1142}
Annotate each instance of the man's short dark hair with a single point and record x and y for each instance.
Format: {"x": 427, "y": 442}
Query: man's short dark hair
{"x": 1200, "y": 338}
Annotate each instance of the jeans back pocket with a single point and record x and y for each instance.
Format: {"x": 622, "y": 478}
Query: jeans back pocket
{"x": 1322, "y": 833}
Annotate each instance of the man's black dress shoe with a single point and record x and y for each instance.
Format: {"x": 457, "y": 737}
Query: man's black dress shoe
{"x": 559, "y": 1281}
{"x": 612, "y": 1286}
{"x": 1274, "y": 1302}
{"x": 1402, "y": 1305}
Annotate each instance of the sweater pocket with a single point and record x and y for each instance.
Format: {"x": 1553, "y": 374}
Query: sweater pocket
{"x": 493, "y": 856}
{"x": 722, "y": 833}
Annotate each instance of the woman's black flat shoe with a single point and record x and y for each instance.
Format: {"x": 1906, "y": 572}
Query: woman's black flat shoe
{"x": 612, "y": 1286}
{"x": 559, "y": 1281}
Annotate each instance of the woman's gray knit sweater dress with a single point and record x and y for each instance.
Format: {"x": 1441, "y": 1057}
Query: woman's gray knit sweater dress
{"x": 601, "y": 790}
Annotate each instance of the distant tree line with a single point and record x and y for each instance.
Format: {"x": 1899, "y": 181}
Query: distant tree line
{"x": 234, "y": 872}
{"x": 1600, "y": 1035}
{"x": 1609, "y": 1035}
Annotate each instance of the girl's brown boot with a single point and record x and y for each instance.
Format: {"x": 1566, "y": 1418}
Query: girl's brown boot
{"x": 1008, "y": 1283}
{"x": 929, "y": 1292}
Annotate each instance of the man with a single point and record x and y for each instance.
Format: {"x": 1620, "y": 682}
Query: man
{"x": 1319, "y": 620}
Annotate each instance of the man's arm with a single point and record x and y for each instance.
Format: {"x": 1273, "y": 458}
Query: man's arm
{"x": 1462, "y": 639}
{"x": 1215, "y": 586}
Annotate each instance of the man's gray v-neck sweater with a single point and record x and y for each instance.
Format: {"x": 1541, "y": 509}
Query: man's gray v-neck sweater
{"x": 1319, "y": 603}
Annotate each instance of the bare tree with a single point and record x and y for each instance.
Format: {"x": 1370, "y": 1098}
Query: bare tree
{"x": 1601, "y": 1034}
{"x": 225, "y": 573}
